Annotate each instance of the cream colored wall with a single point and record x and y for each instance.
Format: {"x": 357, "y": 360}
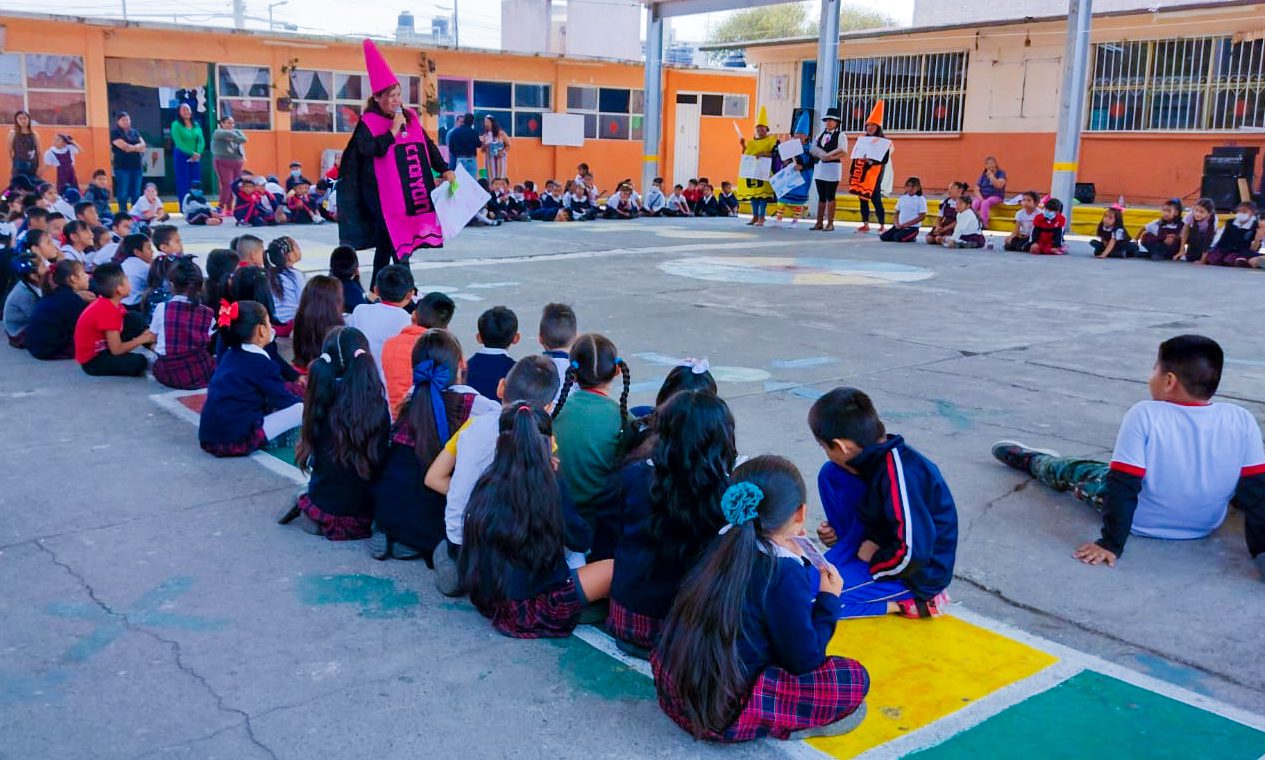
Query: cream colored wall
{"x": 779, "y": 109}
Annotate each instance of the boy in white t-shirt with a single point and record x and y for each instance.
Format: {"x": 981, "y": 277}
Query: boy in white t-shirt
{"x": 1020, "y": 237}
{"x": 533, "y": 381}
{"x": 911, "y": 209}
{"x": 1179, "y": 460}
{"x": 385, "y": 319}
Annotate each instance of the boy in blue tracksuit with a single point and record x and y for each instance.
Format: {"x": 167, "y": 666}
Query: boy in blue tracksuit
{"x": 891, "y": 523}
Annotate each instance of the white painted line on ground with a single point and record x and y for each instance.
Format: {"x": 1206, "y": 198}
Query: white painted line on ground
{"x": 603, "y": 642}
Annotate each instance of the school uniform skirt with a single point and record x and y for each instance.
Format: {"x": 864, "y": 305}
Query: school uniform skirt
{"x": 633, "y": 627}
{"x": 338, "y": 527}
{"x": 186, "y": 372}
{"x": 551, "y": 615}
{"x": 781, "y": 702}
{"x": 254, "y": 442}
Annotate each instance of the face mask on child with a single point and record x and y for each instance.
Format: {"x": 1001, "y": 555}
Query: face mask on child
{"x": 1242, "y": 217}
{"x": 296, "y": 173}
{"x": 1048, "y": 214}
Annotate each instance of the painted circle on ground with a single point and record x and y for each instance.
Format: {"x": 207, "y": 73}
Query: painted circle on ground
{"x": 786, "y": 270}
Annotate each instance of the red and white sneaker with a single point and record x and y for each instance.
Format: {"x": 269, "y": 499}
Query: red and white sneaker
{"x": 917, "y": 609}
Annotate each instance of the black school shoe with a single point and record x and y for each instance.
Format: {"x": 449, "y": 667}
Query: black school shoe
{"x": 1018, "y": 455}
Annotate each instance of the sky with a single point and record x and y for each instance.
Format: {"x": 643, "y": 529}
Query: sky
{"x": 479, "y": 20}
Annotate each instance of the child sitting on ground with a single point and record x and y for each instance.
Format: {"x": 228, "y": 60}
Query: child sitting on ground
{"x": 1021, "y": 236}
{"x": 519, "y": 526}
{"x": 498, "y": 330}
{"x": 967, "y": 232}
{"x": 251, "y": 284}
{"x": 1162, "y": 238}
{"x": 51, "y": 334}
{"x": 911, "y": 209}
{"x": 248, "y": 404}
{"x": 148, "y": 209}
{"x": 1047, "y": 230}
{"x": 196, "y": 208}
{"x": 558, "y": 328}
{"x": 469, "y": 452}
{"x": 220, "y": 264}
{"x": 743, "y": 650}
{"x": 433, "y": 311}
{"x": 320, "y": 310}
{"x": 891, "y": 521}
{"x": 1179, "y": 460}
{"x": 98, "y": 192}
{"x": 1114, "y": 241}
{"x": 1199, "y": 231}
{"x": 385, "y": 318}
{"x": 670, "y": 512}
{"x": 527, "y": 195}
{"x": 285, "y": 279}
{"x": 21, "y": 301}
{"x": 655, "y": 201}
{"x": 621, "y": 206}
{"x": 708, "y": 205}
{"x": 182, "y": 329}
{"x": 579, "y": 206}
{"x": 591, "y": 428}
{"x": 250, "y": 251}
{"x": 253, "y": 207}
{"x": 943, "y": 228}
{"x": 136, "y": 254}
{"x": 728, "y": 201}
{"x": 343, "y": 441}
{"x": 550, "y": 206}
{"x": 1233, "y": 247}
{"x": 78, "y": 245}
{"x": 344, "y": 265}
{"x": 677, "y": 203}
{"x": 301, "y": 205}
{"x": 107, "y": 332}
{"x": 409, "y": 523}
{"x": 120, "y": 227}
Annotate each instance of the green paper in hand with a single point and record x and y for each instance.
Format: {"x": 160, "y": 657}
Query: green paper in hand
{"x": 452, "y": 187}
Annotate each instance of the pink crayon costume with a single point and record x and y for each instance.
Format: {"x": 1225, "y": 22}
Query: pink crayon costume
{"x": 385, "y": 180}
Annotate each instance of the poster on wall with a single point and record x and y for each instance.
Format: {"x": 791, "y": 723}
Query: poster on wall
{"x": 562, "y": 129}
{"x": 779, "y": 86}
{"x": 155, "y": 161}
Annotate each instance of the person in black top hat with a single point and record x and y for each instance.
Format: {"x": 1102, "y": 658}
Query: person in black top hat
{"x": 829, "y": 148}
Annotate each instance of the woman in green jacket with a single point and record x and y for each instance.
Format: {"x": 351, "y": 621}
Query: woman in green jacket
{"x": 190, "y": 144}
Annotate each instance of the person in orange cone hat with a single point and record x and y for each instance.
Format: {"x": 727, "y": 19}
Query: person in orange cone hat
{"x": 387, "y": 175}
{"x": 870, "y": 173}
{"x": 756, "y": 188}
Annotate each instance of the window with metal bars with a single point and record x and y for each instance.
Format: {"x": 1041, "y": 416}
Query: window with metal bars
{"x": 1177, "y": 85}
{"x": 921, "y": 93}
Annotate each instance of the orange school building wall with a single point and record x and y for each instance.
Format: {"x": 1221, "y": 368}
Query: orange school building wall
{"x": 270, "y": 151}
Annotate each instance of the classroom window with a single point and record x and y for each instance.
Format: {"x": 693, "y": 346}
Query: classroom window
{"x": 518, "y": 107}
{"x": 49, "y": 87}
{"x": 245, "y": 94}
{"x": 921, "y": 93}
{"x": 1177, "y": 85}
{"x": 610, "y": 113}
{"x": 331, "y": 101}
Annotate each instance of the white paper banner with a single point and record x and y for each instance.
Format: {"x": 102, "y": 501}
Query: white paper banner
{"x": 786, "y": 180}
{"x": 755, "y": 167}
{"x": 790, "y": 149}
{"x": 455, "y": 210}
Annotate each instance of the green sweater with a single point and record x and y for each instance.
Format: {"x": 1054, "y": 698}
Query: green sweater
{"x": 188, "y": 140}
{"x": 587, "y": 432}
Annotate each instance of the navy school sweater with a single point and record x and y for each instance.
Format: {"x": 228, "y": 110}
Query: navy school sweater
{"x": 51, "y": 334}
{"x": 335, "y": 488}
{"x": 246, "y": 386}
{"x": 786, "y": 620}
{"x": 909, "y": 512}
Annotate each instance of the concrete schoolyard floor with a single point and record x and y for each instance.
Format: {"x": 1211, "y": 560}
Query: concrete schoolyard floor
{"x": 151, "y": 606}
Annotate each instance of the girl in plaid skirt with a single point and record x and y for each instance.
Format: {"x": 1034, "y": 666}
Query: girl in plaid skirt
{"x": 670, "y": 513}
{"x": 743, "y": 650}
{"x": 344, "y": 439}
{"x": 519, "y": 525}
{"x": 183, "y": 329}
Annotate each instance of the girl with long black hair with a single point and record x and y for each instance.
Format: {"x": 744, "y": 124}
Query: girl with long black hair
{"x": 519, "y": 526}
{"x": 344, "y": 439}
{"x": 670, "y": 513}
{"x": 742, "y": 655}
{"x": 410, "y": 519}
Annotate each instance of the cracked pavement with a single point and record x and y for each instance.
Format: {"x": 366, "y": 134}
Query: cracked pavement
{"x": 151, "y": 607}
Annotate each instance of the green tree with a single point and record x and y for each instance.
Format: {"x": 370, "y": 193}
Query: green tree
{"x": 790, "y": 20}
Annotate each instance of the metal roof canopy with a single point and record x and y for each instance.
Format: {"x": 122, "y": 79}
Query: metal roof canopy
{"x": 658, "y": 10}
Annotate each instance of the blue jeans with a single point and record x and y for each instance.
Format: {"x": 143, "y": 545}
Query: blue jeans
{"x": 186, "y": 172}
{"x": 471, "y": 163}
{"x": 862, "y": 596}
{"x": 127, "y": 187}
{"x": 759, "y": 206}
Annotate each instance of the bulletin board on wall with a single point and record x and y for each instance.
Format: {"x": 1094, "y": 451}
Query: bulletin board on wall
{"x": 562, "y": 129}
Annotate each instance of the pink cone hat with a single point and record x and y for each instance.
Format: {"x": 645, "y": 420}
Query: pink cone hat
{"x": 380, "y": 75}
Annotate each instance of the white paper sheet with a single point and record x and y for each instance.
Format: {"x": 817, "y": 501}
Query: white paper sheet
{"x": 455, "y": 210}
{"x": 755, "y": 167}
{"x": 786, "y": 180}
{"x": 790, "y": 149}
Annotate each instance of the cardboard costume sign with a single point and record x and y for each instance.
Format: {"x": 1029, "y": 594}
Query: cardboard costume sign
{"x": 865, "y": 173}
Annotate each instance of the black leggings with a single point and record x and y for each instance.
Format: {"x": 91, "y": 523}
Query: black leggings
{"x": 879, "y": 211}
{"x": 826, "y": 190}
{"x": 106, "y": 364}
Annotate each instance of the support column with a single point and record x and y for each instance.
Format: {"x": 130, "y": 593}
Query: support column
{"x": 652, "y": 124}
{"x": 826, "y": 94}
{"x": 1067, "y": 144}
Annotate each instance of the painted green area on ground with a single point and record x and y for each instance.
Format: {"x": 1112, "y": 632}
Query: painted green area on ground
{"x": 374, "y": 597}
{"x": 588, "y": 669}
{"x": 284, "y": 453}
{"x": 1092, "y": 714}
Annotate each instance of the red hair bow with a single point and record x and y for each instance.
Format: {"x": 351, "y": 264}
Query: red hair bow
{"x": 228, "y": 312}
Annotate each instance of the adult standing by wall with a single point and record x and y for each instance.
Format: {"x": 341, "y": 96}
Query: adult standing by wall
{"x": 24, "y": 148}
{"x": 189, "y": 143}
{"x": 495, "y": 144}
{"x": 387, "y": 175}
{"x": 758, "y": 191}
{"x": 992, "y": 190}
{"x": 227, "y": 157}
{"x": 870, "y": 176}
{"x": 128, "y": 149}
{"x": 829, "y": 149}
{"x": 464, "y": 144}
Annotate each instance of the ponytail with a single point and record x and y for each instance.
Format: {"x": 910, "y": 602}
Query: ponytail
{"x": 568, "y": 382}
{"x": 344, "y": 402}
{"x": 277, "y": 261}
{"x": 436, "y": 366}
{"x": 623, "y": 396}
{"x": 595, "y": 361}
{"x": 238, "y": 321}
{"x": 698, "y": 651}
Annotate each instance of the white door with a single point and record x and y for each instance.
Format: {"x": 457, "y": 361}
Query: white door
{"x": 685, "y": 152}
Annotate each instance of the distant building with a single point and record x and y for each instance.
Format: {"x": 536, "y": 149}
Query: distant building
{"x": 939, "y": 12}
{"x": 590, "y": 28}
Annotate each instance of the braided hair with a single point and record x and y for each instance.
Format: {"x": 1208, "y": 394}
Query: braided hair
{"x": 594, "y": 362}
{"x": 277, "y": 261}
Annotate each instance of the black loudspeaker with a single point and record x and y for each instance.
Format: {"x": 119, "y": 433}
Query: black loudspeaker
{"x": 1085, "y": 192}
{"x": 1224, "y": 191}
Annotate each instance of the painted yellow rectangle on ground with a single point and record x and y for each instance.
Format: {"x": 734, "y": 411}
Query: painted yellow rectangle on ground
{"x": 923, "y": 670}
